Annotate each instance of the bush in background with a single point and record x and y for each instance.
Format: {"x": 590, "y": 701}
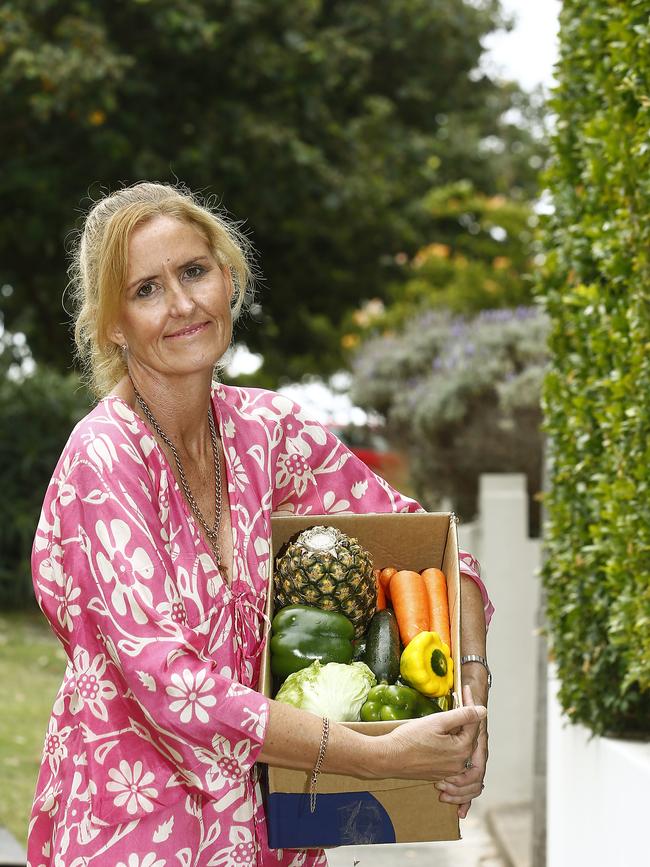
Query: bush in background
{"x": 597, "y": 395}
{"x": 462, "y": 396}
{"x": 37, "y": 413}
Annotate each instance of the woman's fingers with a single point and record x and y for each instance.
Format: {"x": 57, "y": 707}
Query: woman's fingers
{"x": 468, "y": 698}
{"x": 452, "y": 720}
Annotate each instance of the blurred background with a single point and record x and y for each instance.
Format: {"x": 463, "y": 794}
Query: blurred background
{"x": 442, "y": 279}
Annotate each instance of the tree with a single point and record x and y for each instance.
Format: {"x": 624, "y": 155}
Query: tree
{"x": 462, "y": 396}
{"x": 595, "y": 285}
{"x": 320, "y": 122}
{"x": 480, "y": 258}
{"x": 38, "y": 409}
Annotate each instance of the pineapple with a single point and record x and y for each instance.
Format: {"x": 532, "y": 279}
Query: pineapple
{"x": 327, "y": 569}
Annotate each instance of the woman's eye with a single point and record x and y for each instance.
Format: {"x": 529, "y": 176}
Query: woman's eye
{"x": 194, "y": 271}
{"x": 145, "y": 290}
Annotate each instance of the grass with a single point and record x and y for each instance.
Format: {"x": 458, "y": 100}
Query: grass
{"x": 32, "y": 663}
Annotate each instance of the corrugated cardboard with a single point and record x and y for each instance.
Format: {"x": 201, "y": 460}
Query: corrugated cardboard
{"x": 350, "y": 810}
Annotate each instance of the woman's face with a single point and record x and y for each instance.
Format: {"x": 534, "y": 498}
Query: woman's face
{"x": 175, "y": 311}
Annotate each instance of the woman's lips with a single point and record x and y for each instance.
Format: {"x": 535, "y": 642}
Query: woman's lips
{"x": 189, "y": 331}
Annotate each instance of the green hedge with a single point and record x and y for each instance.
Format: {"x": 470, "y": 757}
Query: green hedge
{"x": 596, "y": 282}
{"x": 36, "y": 417}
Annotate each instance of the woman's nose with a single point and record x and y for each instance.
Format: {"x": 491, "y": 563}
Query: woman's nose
{"x": 181, "y": 301}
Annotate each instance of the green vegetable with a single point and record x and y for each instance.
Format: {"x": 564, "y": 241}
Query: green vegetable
{"x": 383, "y": 647}
{"x": 359, "y": 649}
{"x": 333, "y": 690}
{"x": 302, "y": 634}
{"x": 387, "y": 702}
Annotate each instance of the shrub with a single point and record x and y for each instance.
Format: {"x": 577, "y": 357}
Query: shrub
{"x": 37, "y": 414}
{"x": 597, "y": 394}
{"x": 462, "y": 396}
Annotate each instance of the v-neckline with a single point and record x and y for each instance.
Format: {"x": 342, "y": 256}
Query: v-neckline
{"x": 228, "y": 487}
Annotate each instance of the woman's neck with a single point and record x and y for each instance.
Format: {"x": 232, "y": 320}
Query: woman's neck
{"x": 180, "y": 407}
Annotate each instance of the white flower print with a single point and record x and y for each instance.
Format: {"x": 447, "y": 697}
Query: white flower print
{"x": 241, "y": 852}
{"x": 173, "y": 605}
{"x": 225, "y": 762}
{"x": 149, "y": 860}
{"x": 101, "y": 451}
{"x": 90, "y": 689}
{"x": 331, "y": 504}
{"x": 132, "y": 786}
{"x": 54, "y": 747}
{"x": 67, "y": 610}
{"x": 115, "y": 538}
{"x": 241, "y": 479}
{"x": 187, "y": 691}
{"x": 255, "y": 722}
{"x": 358, "y": 489}
{"x": 51, "y": 567}
{"x": 293, "y": 468}
{"x": 297, "y": 427}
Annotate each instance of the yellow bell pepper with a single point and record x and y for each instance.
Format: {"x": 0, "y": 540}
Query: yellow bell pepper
{"x": 427, "y": 665}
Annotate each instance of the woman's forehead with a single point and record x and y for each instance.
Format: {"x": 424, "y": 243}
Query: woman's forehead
{"x": 163, "y": 239}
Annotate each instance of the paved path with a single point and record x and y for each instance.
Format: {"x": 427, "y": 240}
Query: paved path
{"x": 10, "y": 852}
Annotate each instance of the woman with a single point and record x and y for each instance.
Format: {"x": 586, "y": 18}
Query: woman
{"x": 151, "y": 561}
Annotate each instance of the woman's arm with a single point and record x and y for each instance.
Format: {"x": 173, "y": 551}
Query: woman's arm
{"x": 429, "y": 748}
{"x": 462, "y": 788}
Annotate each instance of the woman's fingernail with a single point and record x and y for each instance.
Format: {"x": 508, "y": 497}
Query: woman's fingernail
{"x": 441, "y": 786}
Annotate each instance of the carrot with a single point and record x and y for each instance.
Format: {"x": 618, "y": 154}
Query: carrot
{"x": 436, "y": 587}
{"x": 381, "y": 596}
{"x": 384, "y": 576}
{"x": 410, "y": 604}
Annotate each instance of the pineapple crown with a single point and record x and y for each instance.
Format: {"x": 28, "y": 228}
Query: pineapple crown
{"x": 321, "y": 539}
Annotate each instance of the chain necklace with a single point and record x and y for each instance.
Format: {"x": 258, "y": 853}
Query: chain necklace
{"x": 211, "y": 532}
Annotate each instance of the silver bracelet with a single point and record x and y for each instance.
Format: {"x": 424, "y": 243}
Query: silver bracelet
{"x": 313, "y": 782}
{"x": 474, "y": 657}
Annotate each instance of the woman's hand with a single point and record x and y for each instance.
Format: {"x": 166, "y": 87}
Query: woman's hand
{"x": 434, "y": 747}
{"x": 462, "y": 788}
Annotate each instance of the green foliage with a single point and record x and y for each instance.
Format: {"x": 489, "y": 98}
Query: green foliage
{"x": 596, "y": 283}
{"x": 37, "y": 414}
{"x": 481, "y": 258}
{"x": 462, "y": 396}
{"x": 318, "y": 121}
{"x": 32, "y": 665}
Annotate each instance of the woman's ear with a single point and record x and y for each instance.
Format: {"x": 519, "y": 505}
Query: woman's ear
{"x": 116, "y": 335}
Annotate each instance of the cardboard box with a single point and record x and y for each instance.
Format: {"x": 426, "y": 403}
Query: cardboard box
{"x": 349, "y": 810}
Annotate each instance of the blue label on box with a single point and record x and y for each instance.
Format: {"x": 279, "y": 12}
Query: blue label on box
{"x": 340, "y": 819}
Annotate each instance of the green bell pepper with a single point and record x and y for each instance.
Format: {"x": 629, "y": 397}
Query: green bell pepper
{"x": 386, "y": 702}
{"x": 301, "y": 634}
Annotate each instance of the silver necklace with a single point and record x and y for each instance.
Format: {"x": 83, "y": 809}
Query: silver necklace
{"x": 211, "y": 532}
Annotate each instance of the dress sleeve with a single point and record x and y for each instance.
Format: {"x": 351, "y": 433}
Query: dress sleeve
{"x": 99, "y": 565}
{"x": 315, "y": 472}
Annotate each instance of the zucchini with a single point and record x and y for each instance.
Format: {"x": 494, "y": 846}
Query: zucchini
{"x": 383, "y": 647}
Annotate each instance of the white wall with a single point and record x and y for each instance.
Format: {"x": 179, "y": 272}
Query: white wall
{"x": 510, "y": 561}
{"x": 598, "y": 795}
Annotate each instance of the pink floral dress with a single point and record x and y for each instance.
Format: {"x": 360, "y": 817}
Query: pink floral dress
{"x": 149, "y": 757}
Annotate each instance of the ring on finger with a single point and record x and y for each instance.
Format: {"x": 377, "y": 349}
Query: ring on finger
{"x": 469, "y": 764}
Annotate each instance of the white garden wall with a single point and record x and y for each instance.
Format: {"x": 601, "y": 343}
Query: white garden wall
{"x": 510, "y": 561}
{"x": 598, "y": 796}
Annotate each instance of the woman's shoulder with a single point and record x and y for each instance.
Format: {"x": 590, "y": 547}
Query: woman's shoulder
{"x": 257, "y": 403}
{"x": 111, "y": 437}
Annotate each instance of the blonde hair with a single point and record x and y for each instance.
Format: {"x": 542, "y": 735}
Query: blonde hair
{"x": 99, "y": 267}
